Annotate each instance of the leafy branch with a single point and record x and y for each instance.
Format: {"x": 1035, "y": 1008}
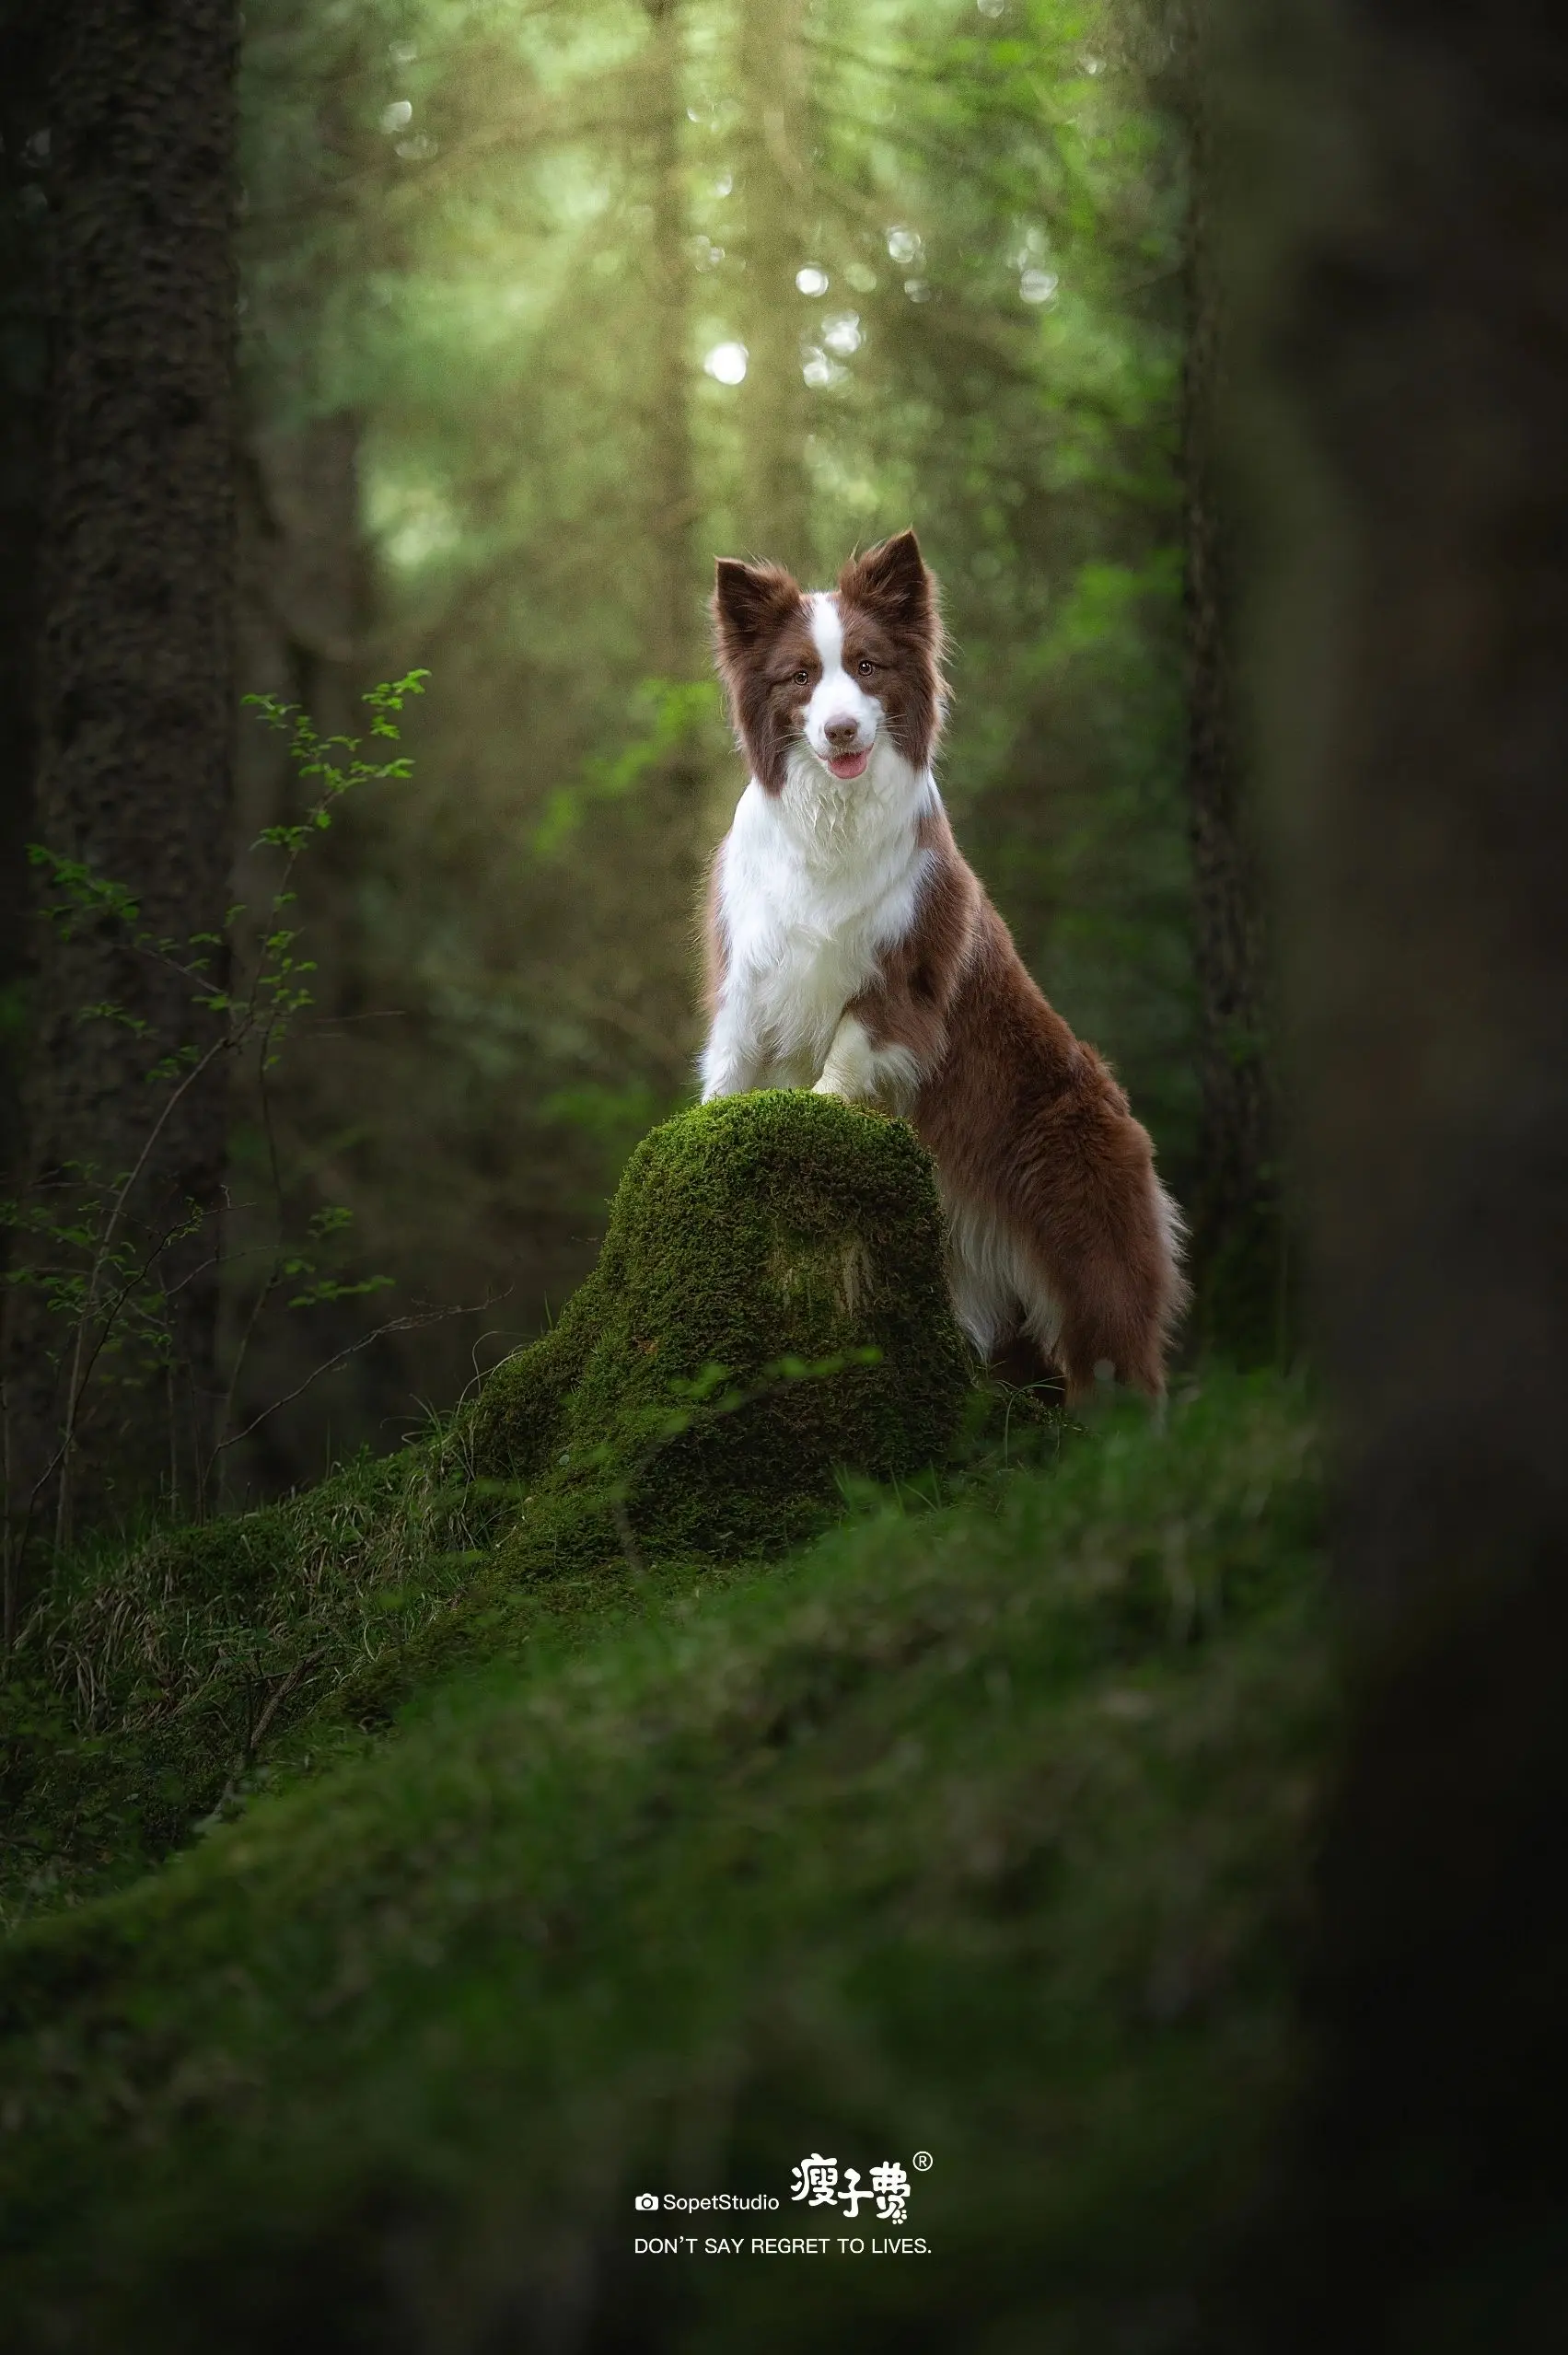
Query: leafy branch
{"x": 103, "y": 1281}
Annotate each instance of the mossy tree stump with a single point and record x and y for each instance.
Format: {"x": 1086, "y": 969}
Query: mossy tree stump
{"x": 769, "y": 1309}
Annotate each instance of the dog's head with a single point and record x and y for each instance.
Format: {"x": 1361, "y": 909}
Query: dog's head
{"x": 840, "y": 671}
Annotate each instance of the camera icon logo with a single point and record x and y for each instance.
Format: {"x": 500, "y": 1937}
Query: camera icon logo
{"x": 645, "y": 2199}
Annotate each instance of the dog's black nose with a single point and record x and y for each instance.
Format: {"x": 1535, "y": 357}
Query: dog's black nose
{"x": 842, "y": 733}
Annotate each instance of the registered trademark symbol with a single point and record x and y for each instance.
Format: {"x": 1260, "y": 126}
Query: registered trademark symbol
{"x": 922, "y": 2160}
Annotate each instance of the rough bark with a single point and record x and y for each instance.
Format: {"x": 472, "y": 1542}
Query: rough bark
{"x": 1401, "y": 252}
{"x": 25, "y": 43}
{"x": 135, "y": 694}
{"x": 774, "y": 193}
{"x": 1237, "y": 1229}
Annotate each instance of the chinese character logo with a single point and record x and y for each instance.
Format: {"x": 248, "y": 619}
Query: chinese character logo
{"x": 890, "y": 2186}
{"x": 816, "y": 2180}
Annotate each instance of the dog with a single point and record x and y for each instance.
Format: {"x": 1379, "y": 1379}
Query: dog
{"x": 851, "y": 948}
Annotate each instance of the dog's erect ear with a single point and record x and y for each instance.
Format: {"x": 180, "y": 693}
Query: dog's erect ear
{"x": 892, "y": 582}
{"x": 749, "y": 601}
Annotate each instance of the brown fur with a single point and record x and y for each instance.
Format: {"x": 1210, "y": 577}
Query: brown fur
{"x": 768, "y": 659}
{"x": 1024, "y": 1122}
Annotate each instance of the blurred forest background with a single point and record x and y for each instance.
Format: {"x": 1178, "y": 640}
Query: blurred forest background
{"x": 459, "y": 347}
{"x": 541, "y": 308}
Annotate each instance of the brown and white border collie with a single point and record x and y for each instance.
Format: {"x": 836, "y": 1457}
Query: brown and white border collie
{"x": 852, "y": 949}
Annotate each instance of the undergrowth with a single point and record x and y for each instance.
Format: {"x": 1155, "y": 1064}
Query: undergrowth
{"x": 768, "y": 1318}
{"x": 978, "y": 1829}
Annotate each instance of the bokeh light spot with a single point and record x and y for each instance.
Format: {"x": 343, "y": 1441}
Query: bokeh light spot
{"x": 726, "y": 362}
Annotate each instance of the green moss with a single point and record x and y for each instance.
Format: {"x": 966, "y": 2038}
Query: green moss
{"x": 768, "y": 1313}
{"x": 769, "y": 1310}
{"x": 980, "y": 1830}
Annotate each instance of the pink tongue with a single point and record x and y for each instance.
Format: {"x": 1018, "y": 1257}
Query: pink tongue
{"x": 850, "y": 764}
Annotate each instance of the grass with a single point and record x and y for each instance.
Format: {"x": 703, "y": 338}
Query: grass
{"x": 769, "y": 1309}
{"x": 979, "y": 1827}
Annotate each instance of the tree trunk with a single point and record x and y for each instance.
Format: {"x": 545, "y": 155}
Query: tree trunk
{"x": 1401, "y": 256}
{"x": 774, "y": 193}
{"x": 675, "y": 644}
{"x": 667, "y": 827}
{"x": 25, "y": 42}
{"x": 135, "y": 736}
{"x": 1236, "y": 1230}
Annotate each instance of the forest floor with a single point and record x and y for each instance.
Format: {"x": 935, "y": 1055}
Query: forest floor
{"x": 978, "y": 1829}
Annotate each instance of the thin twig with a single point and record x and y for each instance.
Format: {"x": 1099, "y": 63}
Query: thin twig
{"x": 393, "y": 1325}
{"x": 282, "y": 1694}
{"x": 76, "y": 1381}
{"x": 75, "y": 1420}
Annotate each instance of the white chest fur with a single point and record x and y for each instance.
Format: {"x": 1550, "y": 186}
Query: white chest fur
{"x": 815, "y": 883}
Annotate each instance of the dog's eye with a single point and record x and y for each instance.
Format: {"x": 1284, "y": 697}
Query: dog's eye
{"x": 801, "y": 679}
{"x": 865, "y": 668}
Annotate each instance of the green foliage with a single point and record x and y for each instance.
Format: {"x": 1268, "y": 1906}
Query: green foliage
{"x": 86, "y": 1248}
{"x": 323, "y": 1224}
{"x": 80, "y": 897}
{"x": 98, "y": 1279}
{"x": 979, "y": 1829}
{"x": 330, "y": 767}
{"x": 671, "y": 716}
{"x": 1105, "y": 883}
